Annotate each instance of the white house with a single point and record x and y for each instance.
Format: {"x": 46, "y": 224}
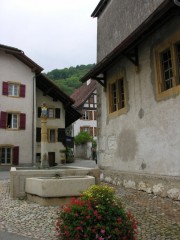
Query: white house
{"x": 22, "y": 90}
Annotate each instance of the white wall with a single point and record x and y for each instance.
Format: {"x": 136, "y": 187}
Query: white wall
{"x": 11, "y": 69}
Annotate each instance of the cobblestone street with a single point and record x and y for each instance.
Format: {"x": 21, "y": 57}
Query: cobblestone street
{"x": 158, "y": 218}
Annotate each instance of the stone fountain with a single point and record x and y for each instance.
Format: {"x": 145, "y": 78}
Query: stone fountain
{"x": 50, "y": 186}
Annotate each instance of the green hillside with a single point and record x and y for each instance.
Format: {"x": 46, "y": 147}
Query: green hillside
{"x": 67, "y": 79}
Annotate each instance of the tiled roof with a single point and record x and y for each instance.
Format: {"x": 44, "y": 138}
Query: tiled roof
{"x": 81, "y": 94}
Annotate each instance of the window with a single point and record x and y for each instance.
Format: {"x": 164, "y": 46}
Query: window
{"x": 13, "y": 89}
{"x": 87, "y": 129}
{"x": 5, "y": 155}
{"x": 52, "y": 112}
{"x": 87, "y": 115}
{"x": 52, "y": 135}
{"x": 9, "y": 155}
{"x": 167, "y": 57}
{"x": 116, "y": 95}
{"x": 91, "y": 101}
{"x": 12, "y": 120}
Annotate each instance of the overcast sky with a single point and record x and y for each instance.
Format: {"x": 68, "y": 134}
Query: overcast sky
{"x": 53, "y": 33}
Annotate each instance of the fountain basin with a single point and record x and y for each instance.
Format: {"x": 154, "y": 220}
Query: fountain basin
{"x": 18, "y": 176}
{"x": 67, "y": 186}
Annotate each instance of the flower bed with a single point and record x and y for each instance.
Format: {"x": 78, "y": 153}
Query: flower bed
{"x": 97, "y": 214}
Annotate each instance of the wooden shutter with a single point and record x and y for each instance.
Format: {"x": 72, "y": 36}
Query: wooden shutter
{"x": 39, "y": 112}
{"x": 3, "y": 120}
{"x": 22, "y": 121}
{"x": 38, "y": 134}
{"x": 95, "y": 131}
{"x": 61, "y": 135}
{"x": 91, "y": 131}
{"x": 57, "y": 112}
{"x": 22, "y": 90}
{"x": 15, "y": 156}
{"x": 5, "y": 88}
{"x": 95, "y": 115}
{"x": 90, "y": 117}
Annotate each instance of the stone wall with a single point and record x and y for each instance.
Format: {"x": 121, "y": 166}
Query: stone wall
{"x": 163, "y": 186}
{"x": 83, "y": 151}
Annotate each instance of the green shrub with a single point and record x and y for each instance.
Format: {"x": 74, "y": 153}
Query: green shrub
{"x": 82, "y": 138}
{"x": 95, "y": 215}
{"x": 94, "y": 143}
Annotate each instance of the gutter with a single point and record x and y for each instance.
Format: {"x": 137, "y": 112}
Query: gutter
{"x": 177, "y": 2}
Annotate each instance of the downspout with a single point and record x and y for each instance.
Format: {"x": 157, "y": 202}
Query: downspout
{"x": 33, "y": 121}
{"x": 177, "y": 2}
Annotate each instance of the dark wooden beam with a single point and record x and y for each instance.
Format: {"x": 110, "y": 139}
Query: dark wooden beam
{"x": 133, "y": 56}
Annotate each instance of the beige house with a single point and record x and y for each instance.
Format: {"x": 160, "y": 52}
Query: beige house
{"x": 138, "y": 67}
{"x": 22, "y": 90}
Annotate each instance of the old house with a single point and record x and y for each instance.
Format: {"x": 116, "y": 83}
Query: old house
{"x": 85, "y": 101}
{"x": 85, "y": 98}
{"x": 138, "y": 67}
{"x": 22, "y": 90}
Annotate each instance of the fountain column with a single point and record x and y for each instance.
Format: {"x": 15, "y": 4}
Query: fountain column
{"x": 44, "y": 153}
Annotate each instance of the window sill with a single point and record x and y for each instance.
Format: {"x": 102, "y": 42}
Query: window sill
{"x": 168, "y": 93}
{"x": 117, "y": 113}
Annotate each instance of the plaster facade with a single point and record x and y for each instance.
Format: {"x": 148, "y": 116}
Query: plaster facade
{"x": 144, "y": 140}
{"x": 118, "y": 20}
{"x": 13, "y": 70}
{"x": 51, "y": 124}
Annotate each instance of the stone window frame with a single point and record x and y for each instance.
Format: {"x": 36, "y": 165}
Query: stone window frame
{"x": 115, "y": 79}
{"x": 171, "y": 45}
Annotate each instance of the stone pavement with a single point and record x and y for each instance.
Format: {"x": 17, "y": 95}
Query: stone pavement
{"x": 158, "y": 218}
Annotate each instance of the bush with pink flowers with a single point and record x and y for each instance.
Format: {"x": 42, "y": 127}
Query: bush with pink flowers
{"x": 96, "y": 215}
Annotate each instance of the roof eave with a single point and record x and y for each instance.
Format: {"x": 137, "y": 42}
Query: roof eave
{"x": 19, "y": 54}
{"x": 134, "y": 38}
{"x": 99, "y": 8}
